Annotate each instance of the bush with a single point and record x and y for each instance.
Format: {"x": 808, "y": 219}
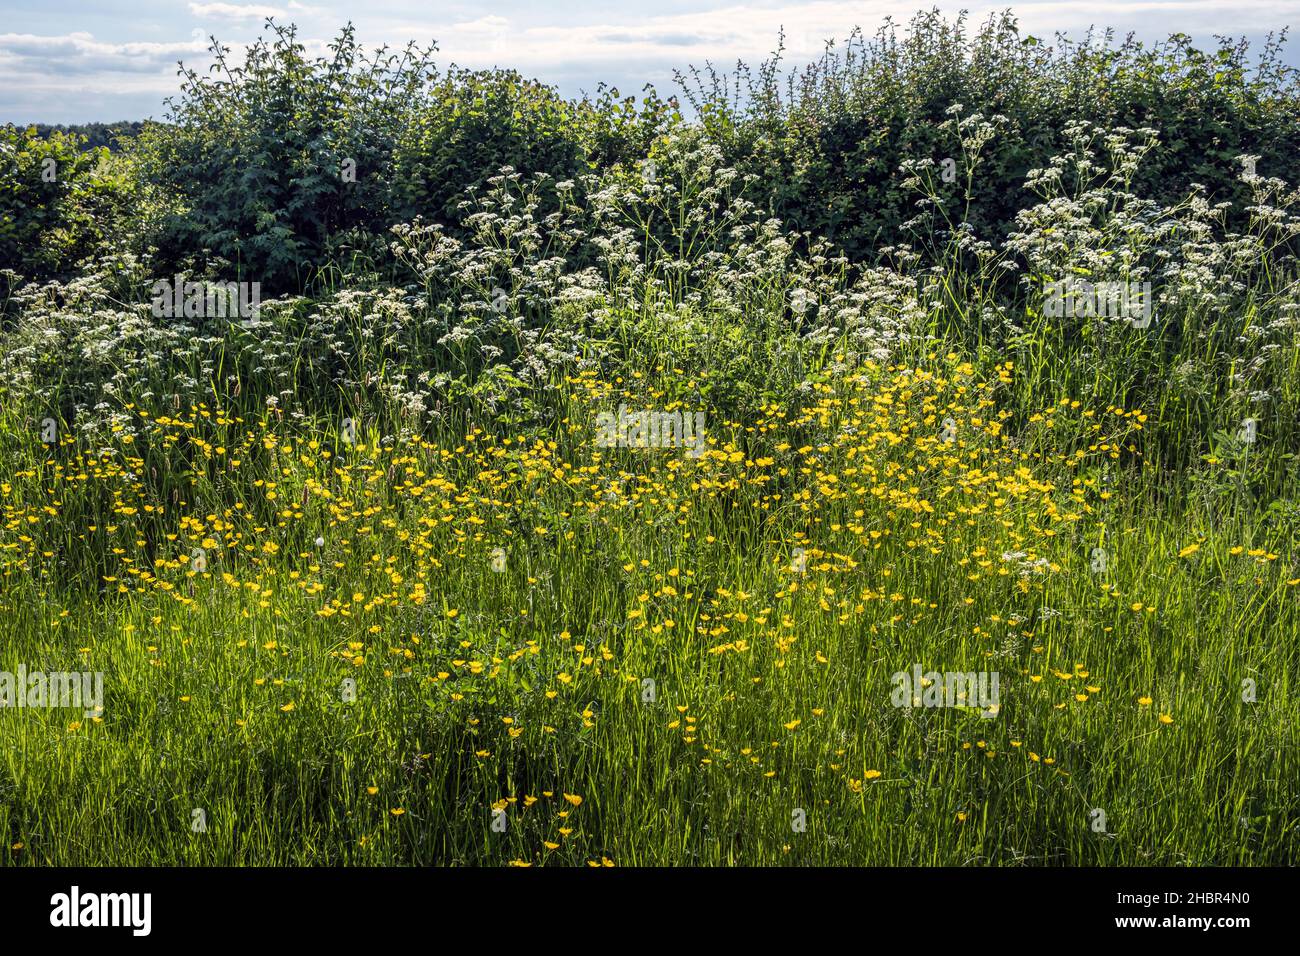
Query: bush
{"x": 56, "y": 201}
{"x": 826, "y": 143}
{"x": 285, "y": 166}
{"x": 472, "y": 124}
{"x": 257, "y": 164}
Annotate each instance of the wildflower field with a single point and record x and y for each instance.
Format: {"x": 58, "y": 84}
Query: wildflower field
{"x": 392, "y": 570}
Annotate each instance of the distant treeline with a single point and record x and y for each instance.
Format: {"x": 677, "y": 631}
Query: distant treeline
{"x": 96, "y": 134}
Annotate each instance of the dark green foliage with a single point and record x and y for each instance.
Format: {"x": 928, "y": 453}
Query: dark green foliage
{"x": 285, "y": 165}
{"x": 56, "y": 201}
{"x": 826, "y": 143}
{"x": 253, "y": 167}
{"x": 472, "y": 124}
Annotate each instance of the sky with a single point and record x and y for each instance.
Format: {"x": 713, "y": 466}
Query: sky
{"x": 107, "y": 60}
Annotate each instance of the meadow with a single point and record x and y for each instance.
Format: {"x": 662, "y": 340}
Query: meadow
{"x": 370, "y": 580}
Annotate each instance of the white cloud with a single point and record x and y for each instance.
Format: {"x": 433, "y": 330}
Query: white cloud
{"x": 748, "y": 31}
{"x": 238, "y": 11}
{"x": 81, "y": 52}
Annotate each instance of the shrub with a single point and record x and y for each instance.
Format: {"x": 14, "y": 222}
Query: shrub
{"x": 56, "y": 201}
{"x": 825, "y": 143}
{"x": 287, "y": 166}
{"x": 256, "y": 166}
